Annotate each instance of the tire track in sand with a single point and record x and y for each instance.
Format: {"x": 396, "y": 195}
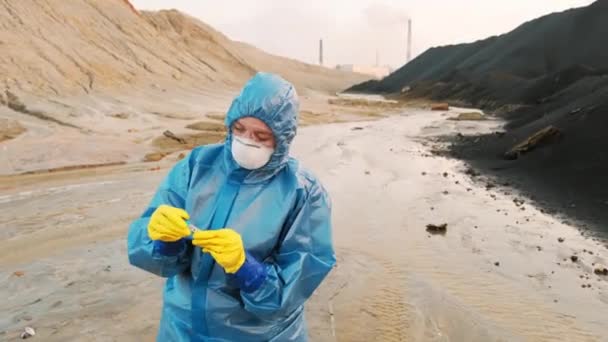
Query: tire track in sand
{"x": 380, "y": 312}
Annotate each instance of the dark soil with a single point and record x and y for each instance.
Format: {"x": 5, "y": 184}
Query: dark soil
{"x": 552, "y": 71}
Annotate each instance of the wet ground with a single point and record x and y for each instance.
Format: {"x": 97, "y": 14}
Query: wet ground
{"x": 500, "y": 272}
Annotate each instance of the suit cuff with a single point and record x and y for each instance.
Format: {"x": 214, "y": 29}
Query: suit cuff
{"x": 251, "y": 275}
{"x": 169, "y": 248}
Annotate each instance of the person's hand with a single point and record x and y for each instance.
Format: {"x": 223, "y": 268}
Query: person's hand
{"x": 224, "y": 245}
{"x": 168, "y": 224}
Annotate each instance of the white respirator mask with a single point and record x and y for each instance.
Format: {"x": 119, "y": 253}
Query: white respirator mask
{"x": 249, "y": 154}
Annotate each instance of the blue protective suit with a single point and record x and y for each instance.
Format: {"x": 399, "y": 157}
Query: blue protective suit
{"x": 282, "y": 213}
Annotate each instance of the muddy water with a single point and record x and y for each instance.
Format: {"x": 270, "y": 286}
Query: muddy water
{"x": 393, "y": 282}
{"x": 448, "y": 288}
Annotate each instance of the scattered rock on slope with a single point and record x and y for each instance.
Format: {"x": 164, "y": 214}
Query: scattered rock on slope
{"x": 10, "y": 129}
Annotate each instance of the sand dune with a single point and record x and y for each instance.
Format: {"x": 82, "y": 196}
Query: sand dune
{"x": 99, "y": 73}
{"x": 53, "y": 47}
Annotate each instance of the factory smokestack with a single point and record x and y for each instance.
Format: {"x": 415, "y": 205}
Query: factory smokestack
{"x": 409, "y": 40}
{"x": 321, "y": 52}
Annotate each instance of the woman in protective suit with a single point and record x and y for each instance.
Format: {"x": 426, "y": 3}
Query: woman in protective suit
{"x": 264, "y": 240}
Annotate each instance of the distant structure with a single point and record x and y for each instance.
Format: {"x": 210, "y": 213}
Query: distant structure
{"x": 409, "y": 40}
{"x": 377, "y": 72}
{"x": 321, "y": 52}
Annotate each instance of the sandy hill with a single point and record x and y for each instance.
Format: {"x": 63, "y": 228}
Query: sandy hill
{"x": 100, "y": 68}
{"x": 194, "y": 36}
{"x": 72, "y": 47}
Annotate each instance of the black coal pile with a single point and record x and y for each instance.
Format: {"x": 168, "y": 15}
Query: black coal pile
{"x": 532, "y": 62}
{"x": 548, "y": 75}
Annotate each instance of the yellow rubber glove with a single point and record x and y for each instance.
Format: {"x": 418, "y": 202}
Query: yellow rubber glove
{"x": 224, "y": 245}
{"x": 168, "y": 224}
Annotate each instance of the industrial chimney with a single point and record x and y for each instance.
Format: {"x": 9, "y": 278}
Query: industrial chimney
{"x": 321, "y": 52}
{"x": 409, "y": 40}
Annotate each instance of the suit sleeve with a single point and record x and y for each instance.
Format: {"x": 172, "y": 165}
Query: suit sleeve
{"x": 302, "y": 261}
{"x": 165, "y": 259}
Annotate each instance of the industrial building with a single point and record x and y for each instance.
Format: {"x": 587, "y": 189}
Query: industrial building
{"x": 377, "y": 72}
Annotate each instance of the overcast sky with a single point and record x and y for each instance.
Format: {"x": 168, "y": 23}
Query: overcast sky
{"x": 353, "y": 30}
